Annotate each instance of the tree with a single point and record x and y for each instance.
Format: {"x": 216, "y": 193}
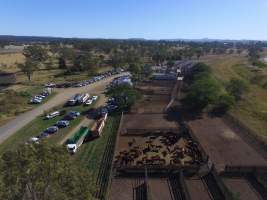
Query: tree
{"x": 62, "y": 63}
{"x": 43, "y": 172}
{"x": 203, "y": 92}
{"x": 224, "y": 103}
{"x": 85, "y": 62}
{"x": 124, "y": 95}
{"x": 199, "y": 70}
{"x": 136, "y": 70}
{"x": 35, "y": 53}
{"x": 28, "y": 68}
{"x": 237, "y": 87}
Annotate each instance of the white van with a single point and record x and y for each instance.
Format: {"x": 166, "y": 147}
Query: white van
{"x": 52, "y": 115}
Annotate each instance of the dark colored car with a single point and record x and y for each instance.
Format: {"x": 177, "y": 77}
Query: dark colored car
{"x": 51, "y": 129}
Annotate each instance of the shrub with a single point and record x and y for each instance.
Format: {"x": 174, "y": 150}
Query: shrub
{"x": 237, "y": 88}
{"x": 224, "y": 103}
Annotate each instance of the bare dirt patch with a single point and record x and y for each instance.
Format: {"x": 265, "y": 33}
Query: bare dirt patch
{"x": 132, "y": 188}
{"x": 197, "y": 189}
{"x": 242, "y": 188}
{"x": 223, "y": 145}
{"x": 135, "y": 124}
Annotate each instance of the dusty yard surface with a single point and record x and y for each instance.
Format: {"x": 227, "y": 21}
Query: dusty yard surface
{"x": 242, "y": 188}
{"x": 197, "y": 189}
{"x": 132, "y": 188}
{"x": 223, "y": 145}
{"x": 151, "y": 104}
{"x": 135, "y": 124}
{"x": 157, "y": 90}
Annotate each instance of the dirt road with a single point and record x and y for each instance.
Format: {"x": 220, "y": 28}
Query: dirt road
{"x": 63, "y": 95}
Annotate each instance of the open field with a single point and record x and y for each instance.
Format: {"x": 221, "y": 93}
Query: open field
{"x": 223, "y": 145}
{"x": 252, "y": 110}
{"x": 8, "y": 61}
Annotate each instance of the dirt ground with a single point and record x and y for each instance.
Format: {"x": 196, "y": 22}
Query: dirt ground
{"x": 242, "y": 188}
{"x": 136, "y": 124}
{"x": 223, "y": 145}
{"x": 197, "y": 189}
{"x": 126, "y": 188}
{"x": 156, "y": 90}
{"x": 151, "y": 104}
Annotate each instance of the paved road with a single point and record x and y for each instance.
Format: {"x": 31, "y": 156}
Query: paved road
{"x": 63, "y": 95}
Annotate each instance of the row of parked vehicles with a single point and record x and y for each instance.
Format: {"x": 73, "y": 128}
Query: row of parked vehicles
{"x": 83, "y": 98}
{"x": 94, "y": 79}
{"x": 64, "y": 122}
{"x": 37, "y": 99}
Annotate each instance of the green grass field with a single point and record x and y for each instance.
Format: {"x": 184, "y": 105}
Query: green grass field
{"x": 38, "y": 125}
{"x": 252, "y": 110}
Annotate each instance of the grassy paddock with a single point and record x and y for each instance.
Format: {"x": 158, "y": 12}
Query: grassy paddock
{"x": 15, "y": 102}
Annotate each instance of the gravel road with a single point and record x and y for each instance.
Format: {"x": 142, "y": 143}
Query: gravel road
{"x": 60, "y": 98}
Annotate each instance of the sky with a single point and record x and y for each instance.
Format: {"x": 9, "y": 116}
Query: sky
{"x": 150, "y": 19}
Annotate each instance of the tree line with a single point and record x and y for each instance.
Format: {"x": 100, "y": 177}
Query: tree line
{"x": 206, "y": 93}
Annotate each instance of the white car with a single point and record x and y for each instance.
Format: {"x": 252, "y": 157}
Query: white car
{"x": 34, "y": 140}
{"x": 89, "y": 102}
{"x": 39, "y": 96}
{"x": 94, "y": 97}
{"x": 52, "y": 115}
{"x": 36, "y": 100}
{"x": 72, "y": 148}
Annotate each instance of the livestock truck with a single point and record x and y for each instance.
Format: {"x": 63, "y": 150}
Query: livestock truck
{"x": 98, "y": 126}
{"x": 76, "y": 141}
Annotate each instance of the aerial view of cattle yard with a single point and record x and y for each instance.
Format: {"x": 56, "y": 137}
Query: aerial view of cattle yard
{"x": 158, "y": 157}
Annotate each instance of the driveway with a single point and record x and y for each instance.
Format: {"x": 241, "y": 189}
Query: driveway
{"x": 63, "y": 95}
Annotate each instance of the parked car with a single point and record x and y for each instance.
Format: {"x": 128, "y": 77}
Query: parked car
{"x": 51, "y": 129}
{"x": 35, "y": 101}
{"x": 89, "y": 102}
{"x": 62, "y": 123}
{"x": 94, "y": 98}
{"x": 76, "y": 113}
{"x": 50, "y": 85}
{"x": 39, "y": 96}
{"x": 52, "y": 115}
{"x": 111, "y": 108}
{"x": 33, "y": 140}
{"x": 44, "y": 134}
{"x": 72, "y": 115}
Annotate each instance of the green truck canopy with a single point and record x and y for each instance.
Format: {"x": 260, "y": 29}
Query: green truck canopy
{"x": 83, "y": 131}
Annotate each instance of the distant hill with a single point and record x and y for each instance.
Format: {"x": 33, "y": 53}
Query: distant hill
{"x": 33, "y": 39}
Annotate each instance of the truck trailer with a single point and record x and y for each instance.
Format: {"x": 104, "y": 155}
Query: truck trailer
{"x": 76, "y": 141}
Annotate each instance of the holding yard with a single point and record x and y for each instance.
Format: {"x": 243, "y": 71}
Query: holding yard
{"x": 224, "y": 147}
